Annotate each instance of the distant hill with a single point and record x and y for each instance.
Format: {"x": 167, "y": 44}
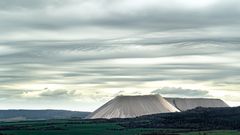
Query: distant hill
{"x": 15, "y": 115}
{"x": 199, "y": 118}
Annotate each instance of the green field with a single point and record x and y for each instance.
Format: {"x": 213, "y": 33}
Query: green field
{"x": 79, "y": 127}
{"x": 219, "y": 132}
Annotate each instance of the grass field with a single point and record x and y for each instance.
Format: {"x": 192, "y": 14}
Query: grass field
{"x": 67, "y": 127}
{"x": 219, "y": 132}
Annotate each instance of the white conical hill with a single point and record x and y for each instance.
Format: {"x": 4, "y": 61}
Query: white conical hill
{"x": 133, "y": 106}
{"x": 184, "y": 104}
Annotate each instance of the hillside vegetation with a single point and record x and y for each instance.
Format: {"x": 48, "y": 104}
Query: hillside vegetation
{"x": 199, "y": 118}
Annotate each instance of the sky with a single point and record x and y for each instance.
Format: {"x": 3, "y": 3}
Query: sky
{"x": 78, "y": 54}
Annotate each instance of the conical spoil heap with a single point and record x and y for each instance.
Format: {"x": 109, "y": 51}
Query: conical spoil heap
{"x": 133, "y": 106}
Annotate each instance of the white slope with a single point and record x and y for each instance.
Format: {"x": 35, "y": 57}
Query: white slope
{"x": 133, "y": 106}
{"x": 184, "y": 104}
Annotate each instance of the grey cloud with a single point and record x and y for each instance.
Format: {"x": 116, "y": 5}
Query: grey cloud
{"x": 74, "y": 59}
{"x": 180, "y": 92}
{"x": 9, "y": 93}
{"x": 58, "y": 93}
{"x": 146, "y": 18}
{"x": 16, "y": 5}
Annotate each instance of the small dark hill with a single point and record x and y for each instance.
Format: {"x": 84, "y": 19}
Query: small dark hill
{"x": 14, "y": 115}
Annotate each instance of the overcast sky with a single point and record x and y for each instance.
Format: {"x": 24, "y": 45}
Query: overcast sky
{"x": 75, "y": 54}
